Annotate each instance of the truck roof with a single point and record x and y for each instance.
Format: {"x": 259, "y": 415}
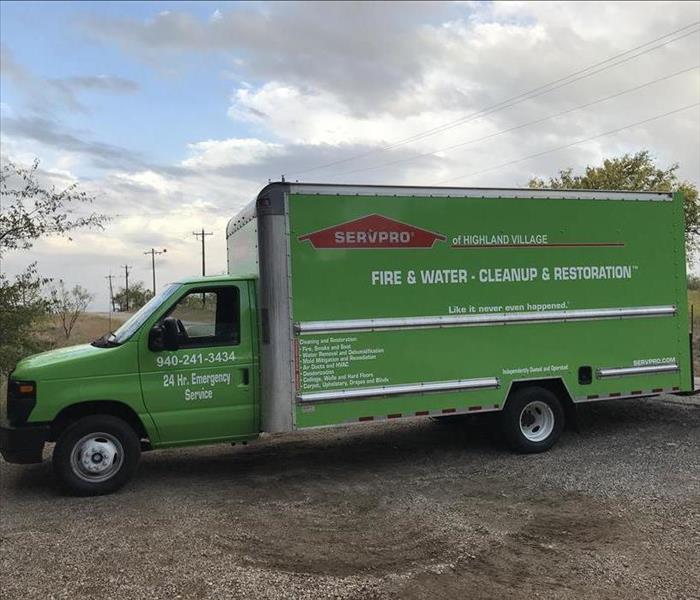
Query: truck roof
{"x": 215, "y": 278}
{"x": 342, "y": 189}
{"x": 271, "y": 199}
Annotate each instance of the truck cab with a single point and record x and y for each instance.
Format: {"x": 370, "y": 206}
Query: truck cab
{"x": 182, "y": 370}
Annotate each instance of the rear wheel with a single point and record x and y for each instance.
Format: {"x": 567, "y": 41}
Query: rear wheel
{"x": 96, "y": 455}
{"x": 532, "y": 420}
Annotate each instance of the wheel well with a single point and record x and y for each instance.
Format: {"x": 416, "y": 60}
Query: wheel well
{"x": 97, "y": 407}
{"x": 557, "y": 387}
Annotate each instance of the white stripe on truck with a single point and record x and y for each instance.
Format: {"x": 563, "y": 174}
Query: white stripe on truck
{"x": 586, "y": 314}
{"x": 645, "y": 370}
{"x": 408, "y": 388}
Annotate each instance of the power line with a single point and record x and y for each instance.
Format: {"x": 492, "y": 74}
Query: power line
{"x": 562, "y": 81}
{"x": 552, "y": 87}
{"x": 521, "y": 126}
{"x": 533, "y": 93}
{"x": 576, "y": 143}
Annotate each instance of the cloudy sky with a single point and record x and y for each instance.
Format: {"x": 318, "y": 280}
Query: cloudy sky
{"x": 175, "y": 114}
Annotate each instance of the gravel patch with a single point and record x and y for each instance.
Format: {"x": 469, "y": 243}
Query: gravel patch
{"x": 413, "y": 509}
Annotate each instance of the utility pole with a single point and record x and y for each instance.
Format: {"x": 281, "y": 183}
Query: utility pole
{"x": 111, "y": 292}
{"x": 153, "y": 253}
{"x": 126, "y": 294}
{"x": 111, "y": 299}
{"x": 202, "y": 234}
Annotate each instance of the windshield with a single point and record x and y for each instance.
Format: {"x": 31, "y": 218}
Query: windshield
{"x": 137, "y": 319}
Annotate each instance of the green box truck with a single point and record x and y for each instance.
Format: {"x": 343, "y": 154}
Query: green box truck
{"x": 354, "y": 304}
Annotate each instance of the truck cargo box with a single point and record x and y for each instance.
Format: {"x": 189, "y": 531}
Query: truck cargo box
{"x": 384, "y": 302}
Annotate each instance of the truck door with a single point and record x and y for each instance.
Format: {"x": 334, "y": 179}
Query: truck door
{"x": 203, "y": 391}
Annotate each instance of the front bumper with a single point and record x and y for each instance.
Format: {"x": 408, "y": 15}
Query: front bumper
{"x": 23, "y": 445}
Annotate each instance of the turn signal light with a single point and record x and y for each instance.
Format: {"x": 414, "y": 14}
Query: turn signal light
{"x": 21, "y": 399}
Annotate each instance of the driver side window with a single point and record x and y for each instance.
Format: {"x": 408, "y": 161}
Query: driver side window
{"x": 208, "y": 317}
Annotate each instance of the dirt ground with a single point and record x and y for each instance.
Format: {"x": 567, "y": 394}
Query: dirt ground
{"x": 410, "y": 510}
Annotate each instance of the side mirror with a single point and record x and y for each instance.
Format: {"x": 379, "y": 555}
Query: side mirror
{"x": 164, "y": 336}
{"x": 170, "y": 334}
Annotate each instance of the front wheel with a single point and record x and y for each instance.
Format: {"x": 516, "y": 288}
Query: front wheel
{"x": 96, "y": 455}
{"x": 533, "y": 420}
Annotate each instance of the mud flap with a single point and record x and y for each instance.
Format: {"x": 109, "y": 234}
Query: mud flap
{"x": 572, "y": 420}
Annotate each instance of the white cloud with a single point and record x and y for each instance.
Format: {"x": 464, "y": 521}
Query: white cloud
{"x": 235, "y": 151}
{"x": 302, "y": 117}
{"x": 468, "y": 64}
{"x": 149, "y": 180}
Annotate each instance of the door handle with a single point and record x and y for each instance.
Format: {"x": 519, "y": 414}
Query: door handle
{"x": 245, "y": 376}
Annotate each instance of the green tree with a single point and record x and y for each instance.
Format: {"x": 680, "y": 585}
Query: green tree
{"x": 634, "y": 172}
{"x": 22, "y": 308}
{"x": 138, "y": 296}
{"x": 31, "y": 210}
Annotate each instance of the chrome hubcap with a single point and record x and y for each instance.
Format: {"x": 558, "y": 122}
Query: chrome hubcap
{"x": 97, "y": 457}
{"x": 537, "y": 421}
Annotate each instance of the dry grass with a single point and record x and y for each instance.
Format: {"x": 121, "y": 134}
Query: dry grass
{"x": 694, "y": 298}
{"x": 88, "y": 327}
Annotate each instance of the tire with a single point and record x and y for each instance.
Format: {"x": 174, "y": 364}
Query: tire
{"x": 532, "y": 420}
{"x": 96, "y": 455}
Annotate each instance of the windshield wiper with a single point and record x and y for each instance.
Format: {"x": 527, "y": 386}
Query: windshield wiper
{"x": 108, "y": 340}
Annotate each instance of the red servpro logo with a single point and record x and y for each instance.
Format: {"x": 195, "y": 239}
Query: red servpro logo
{"x": 373, "y": 231}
